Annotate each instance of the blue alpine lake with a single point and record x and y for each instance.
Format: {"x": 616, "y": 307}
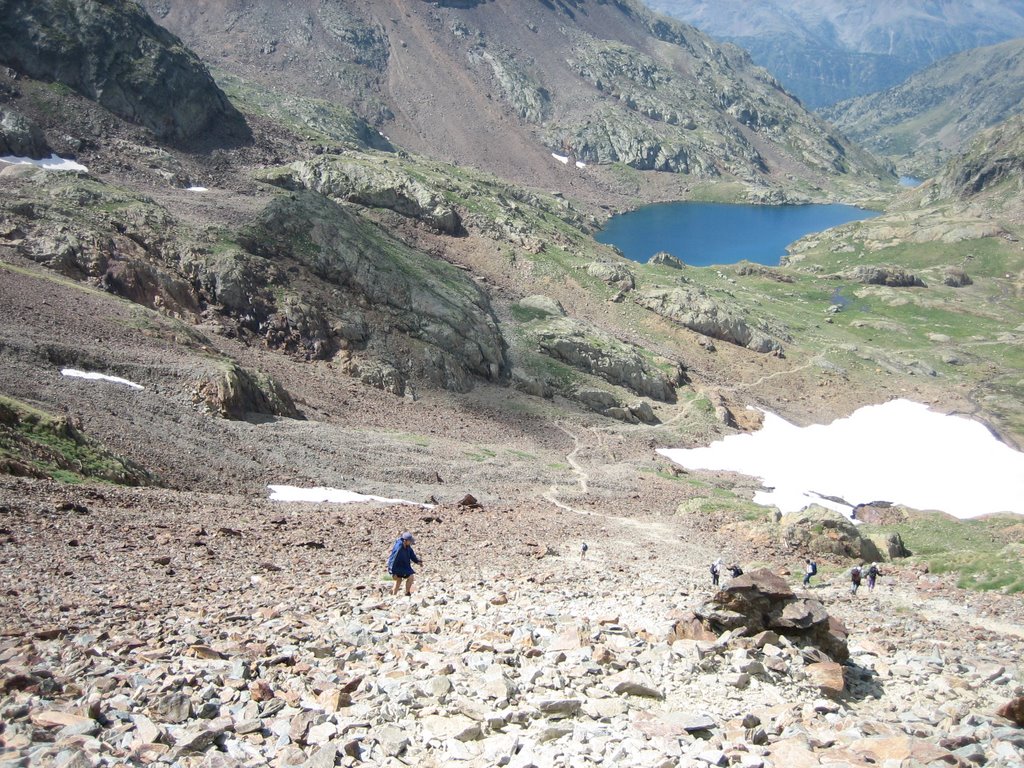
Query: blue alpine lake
{"x": 702, "y": 234}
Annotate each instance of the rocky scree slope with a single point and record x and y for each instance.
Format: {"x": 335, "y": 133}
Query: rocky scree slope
{"x": 502, "y": 85}
{"x": 936, "y": 113}
{"x": 825, "y": 52}
{"x": 249, "y": 642}
{"x": 116, "y": 55}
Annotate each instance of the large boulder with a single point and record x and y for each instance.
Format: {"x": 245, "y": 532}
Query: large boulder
{"x": 893, "y": 277}
{"x": 759, "y": 601}
{"x": 612, "y": 273}
{"x": 890, "y": 545}
{"x": 666, "y": 259}
{"x": 115, "y": 54}
{"x": 693, "y": 309}
{"x": 21, "y": 137}
{"x": 820, "y": 531}
{"x": 236, "y": 393}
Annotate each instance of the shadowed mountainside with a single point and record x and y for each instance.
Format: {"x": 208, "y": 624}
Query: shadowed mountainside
{"x": 923, "y": 122}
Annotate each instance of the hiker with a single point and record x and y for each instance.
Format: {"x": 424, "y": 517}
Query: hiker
{"x": 810, "y": 569}
{"x": 583, "y": 550}
{"x": 854, "y": 579}
{"x": 735, "y": 570}
{"x": 400, "y": 562}
{"x": 716, "y": 570}
{"x": 873, "y": 573}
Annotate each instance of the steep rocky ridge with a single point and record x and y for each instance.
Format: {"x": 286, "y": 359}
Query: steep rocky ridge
{"x": 825, "y": 52}
{"x": 115, "y": 54}
{"x": 934, "y": 115}
{"x": 501, "y": 86}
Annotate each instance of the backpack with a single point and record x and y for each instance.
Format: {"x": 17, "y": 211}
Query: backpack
{"x": 814, "y": 568}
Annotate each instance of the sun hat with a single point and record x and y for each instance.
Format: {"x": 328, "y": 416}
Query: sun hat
{"x": 408, "y": 537}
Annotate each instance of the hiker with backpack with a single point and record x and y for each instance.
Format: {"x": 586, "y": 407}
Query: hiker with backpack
{"x": 811, "y": 569}
{"x": 873, "y": 573}
{"x": 855, "y": 579}
{"x": 716, "y": 570}
{"x": 400, "y": 562}
{"x": 735, "y": 570}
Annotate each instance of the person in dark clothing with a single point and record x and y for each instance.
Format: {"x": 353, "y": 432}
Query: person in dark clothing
{"x": 400, "y": 563}
{"x": 873, "y": 573}
{"x": 855, "y": 579}
{"x": 735, "y": 570}
{"x": 715, "y": 572}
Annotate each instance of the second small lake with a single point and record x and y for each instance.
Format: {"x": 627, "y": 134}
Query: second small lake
{"x": 702, "y": 234}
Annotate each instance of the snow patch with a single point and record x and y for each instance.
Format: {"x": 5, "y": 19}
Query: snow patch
{"x": 320, "y": 495}
{"x": 560, "y": 158}
{"x": 93, "y": 376}
{"x": 196, "y": 189}
{"x": 51, "y": 163}
{"x": 897, "y": 451}
{"x": 580, "y": 164}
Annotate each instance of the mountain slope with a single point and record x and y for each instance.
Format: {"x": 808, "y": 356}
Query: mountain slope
{"x": 925, "y": 121}
{"x": 115, "y": 54}
{"x": 501, "y": 86}
{"x": 828, "y": 51}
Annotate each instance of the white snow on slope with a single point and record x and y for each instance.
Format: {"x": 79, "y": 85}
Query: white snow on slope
{"x": 93, "y": 376}
{"x": 51, "y": 163}
{"x": 897, "y": 451}
{"x": 320, "y": 495}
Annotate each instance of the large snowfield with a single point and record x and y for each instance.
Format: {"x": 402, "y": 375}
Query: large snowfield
{"x": 899, "y": 451}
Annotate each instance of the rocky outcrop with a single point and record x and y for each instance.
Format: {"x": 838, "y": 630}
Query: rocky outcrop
{"x": 955, "y": 277}
{"x": 20, "y": 137}
{"x": 608, "y": 405}
{"x": 613, "y": 274}
{"x": 666, "y": 259}
{"x": 541, "y": 306}
{"x": 39, "y": 445}
{"x": 820, "y": 531}
{"x": 889, "y": 545}
{"x": 697, "y": 311}
{"x": 760, "y": 601}
{"x": 372, "y": 184}
{"x": 995, "y": 157}
{"x": 421, "y": 315}
{"x": 236, "y": 393}
{"x": 114, "y": 54}
{"x": 892, "y": 277}
{"x": 527, "y": 97}
{"x": 589, "y": 349}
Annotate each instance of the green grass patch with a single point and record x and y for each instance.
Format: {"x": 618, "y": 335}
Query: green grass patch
{"x": 37, "y": 444}
{"x": 984, "y": 552}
